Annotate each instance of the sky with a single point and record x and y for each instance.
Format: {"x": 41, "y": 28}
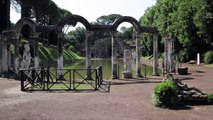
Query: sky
{"x": 92, "y": 9}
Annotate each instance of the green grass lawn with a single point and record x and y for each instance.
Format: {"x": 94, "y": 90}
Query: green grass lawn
{"x": 48, "y": 54}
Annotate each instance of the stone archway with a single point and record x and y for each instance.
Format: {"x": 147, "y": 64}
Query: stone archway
{"x": 73, "y": 20}
{"x": 130, "y": 20}
{"x": 33, "y": 39}
{"x": 138, "y": 28}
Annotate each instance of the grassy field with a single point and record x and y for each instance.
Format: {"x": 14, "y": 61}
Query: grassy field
{"x": 50, "y": 54}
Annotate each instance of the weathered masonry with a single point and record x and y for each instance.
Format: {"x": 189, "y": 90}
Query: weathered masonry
{"x": 13, "y": 35}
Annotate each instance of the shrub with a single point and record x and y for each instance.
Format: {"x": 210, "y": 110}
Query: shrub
{"x": 210, "y": 97}
{"x": 166, "y": 95}
{"x": 182, "y": 56}
{"x": 208, "y": 57}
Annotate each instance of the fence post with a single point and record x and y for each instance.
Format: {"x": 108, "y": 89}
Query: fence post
{"x": 73, "y": 79}
{"x": 145, "y": 71}
{"x": 22, "y": 80}
{"x": 70, "y": 71}
{"x": 42, "y": 78}
{"x": 97, "y": 79}
{"x": 33, "y": 76}
{"x": 48, "y": 77}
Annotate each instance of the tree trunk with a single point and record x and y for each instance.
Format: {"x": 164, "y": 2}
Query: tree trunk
{"x": 5, "y": 14}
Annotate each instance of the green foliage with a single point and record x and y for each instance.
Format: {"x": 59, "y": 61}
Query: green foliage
{"x": 74, "y": 39}
{"x": 107, "y": 19}
{"x": 126, "y": 33}
{"x": 182, "y": 55}
{"x": 191, "y": 21}
{"x": 210, "y": 97}
{"x": 166, "y": 95}
{"x": 45, "y": 11}
{"x": 208, "y": 57}
{"x": 104, "y": 20}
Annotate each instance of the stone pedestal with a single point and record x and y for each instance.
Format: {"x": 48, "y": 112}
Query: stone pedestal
{"x": 183, "y": 71}
{"x": 127, "y": 74}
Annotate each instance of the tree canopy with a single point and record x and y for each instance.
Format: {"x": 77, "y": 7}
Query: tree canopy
{"x": 190, "y": 21}
{"x": 44, "y": 11}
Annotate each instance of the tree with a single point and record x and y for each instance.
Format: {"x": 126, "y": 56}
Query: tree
{"x": 44, "y": 11}
{"x": 75, "y": 38}
{"x": 107, "y": 19}
{"x": 104, "y": 20}
{"x": 5, "y": 14}
{"x": 126, "y": 33}
{"x": 190, "y": 21}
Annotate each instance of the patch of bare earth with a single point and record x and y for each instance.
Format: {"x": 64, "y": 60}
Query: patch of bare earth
{"x": 126, "y": 101}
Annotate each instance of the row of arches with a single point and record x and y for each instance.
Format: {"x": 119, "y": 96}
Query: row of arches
{"x": 14, "y": 35}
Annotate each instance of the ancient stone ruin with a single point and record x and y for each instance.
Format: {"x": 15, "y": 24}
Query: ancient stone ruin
{"x": 127, "y": 73}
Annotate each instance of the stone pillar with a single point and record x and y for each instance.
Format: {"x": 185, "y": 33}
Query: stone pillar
{"x": 60, "y": 53}
{"x": 88, "y": 54}
{"x": 36, "y": 55}
{"x": 138, "y": 56}
{"x": 169, "y": 64}
{"x": 16, "y": 56}
{"x": 0, "y": 55}
{"x": 8, "y": 56}
{"x": 165, "y": 68}
{"x": 34, "y": 41}
{"x": 4, "y": 58}
{"x": 114, "y": 56}
{"x": 155, "y": 55}
{"x": 172, "y": 54}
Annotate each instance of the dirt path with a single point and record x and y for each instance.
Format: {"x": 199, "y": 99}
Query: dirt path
{"x": 126, "y": 101}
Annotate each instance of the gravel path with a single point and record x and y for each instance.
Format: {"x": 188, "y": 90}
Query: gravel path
{"x": 126, "y": 101}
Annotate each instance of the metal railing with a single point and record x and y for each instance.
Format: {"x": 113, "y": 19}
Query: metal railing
{"x": 46, "y": 79}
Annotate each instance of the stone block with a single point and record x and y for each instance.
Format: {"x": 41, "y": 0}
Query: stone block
{"x": 127, "y": 74}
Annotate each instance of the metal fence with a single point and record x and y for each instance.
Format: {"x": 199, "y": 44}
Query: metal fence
{"x": 46, "y": 79}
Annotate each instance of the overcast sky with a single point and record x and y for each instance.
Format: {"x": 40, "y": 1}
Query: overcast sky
{"x": 92, "y": 9}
